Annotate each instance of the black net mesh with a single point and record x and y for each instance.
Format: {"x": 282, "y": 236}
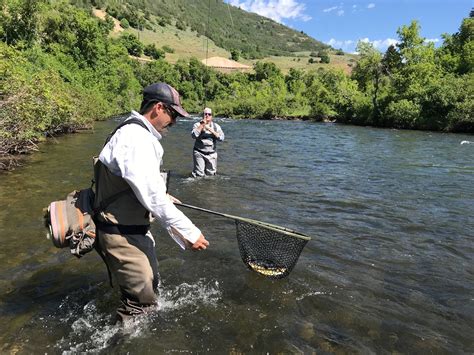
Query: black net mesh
{"x": 267, "y": 251}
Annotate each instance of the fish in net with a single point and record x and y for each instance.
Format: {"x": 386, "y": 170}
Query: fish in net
{"x": 265, "y": 248}
{"x": 269, "y": 250}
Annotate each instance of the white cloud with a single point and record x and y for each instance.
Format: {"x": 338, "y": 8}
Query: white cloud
{"x": 344, "y": 45}
{"x": 380, "y": 44}
{"x": 350, "y": 45}
{"x": 432, "y": 40}
{"x": 277, "y": 10}
{"x": 329, "y": 9}
{"x": 371, "y": 5}
{"x": 338, "y": 9}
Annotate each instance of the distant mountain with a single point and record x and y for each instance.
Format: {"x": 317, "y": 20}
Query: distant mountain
{"x": 229, "y": 27}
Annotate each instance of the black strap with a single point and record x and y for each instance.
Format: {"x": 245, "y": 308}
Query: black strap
{"x": 205, "y": 153}
{"x": 167, "y": 182}
{"x": 214, "y": 139}
{"x": 133, "y": 120}
{"x": 103, "y": 204}
{"x": 123, "y": 229}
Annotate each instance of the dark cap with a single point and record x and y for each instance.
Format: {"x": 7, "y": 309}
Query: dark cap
{"x": 165, "y": 93}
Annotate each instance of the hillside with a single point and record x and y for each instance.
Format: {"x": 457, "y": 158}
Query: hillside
{"x": 187, "y": 42}
{"x": 227, "y": 26}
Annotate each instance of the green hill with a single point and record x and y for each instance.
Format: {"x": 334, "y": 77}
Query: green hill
{"x": 227, "y": 26}
{"x": 187, "y": 44}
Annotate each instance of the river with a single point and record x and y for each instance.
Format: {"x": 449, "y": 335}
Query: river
{"x": 389, "y": 268}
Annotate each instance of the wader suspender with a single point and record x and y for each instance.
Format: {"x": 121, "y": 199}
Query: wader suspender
{"x": 103, "y": 204}
{"x": 214, "y": 139}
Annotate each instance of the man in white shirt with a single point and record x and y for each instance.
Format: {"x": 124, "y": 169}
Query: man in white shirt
{"x": 129, "y": 166}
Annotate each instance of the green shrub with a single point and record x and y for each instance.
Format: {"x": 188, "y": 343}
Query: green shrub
{"x": 461, "y": 118}
{"x": 152, "y": 51}
{"x": 36, "y": 102}
{"x": 133, "y": 45}
{"x": 124, "y": 23}
{"x": 403, "y": 113}
{"x": 167, "y": 49}
{"x": 180, "y": 25}
{"x": 325, "y": 57}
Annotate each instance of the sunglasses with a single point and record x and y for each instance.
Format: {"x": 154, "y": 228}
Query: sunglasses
{"x": 208, "y": 114}
{"x": 174, "y": 115}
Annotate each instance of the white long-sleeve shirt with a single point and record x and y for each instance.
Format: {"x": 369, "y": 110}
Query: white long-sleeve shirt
{"x": 135, "y": 154}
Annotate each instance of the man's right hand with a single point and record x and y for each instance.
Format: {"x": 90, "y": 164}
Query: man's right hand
{"x": 201, "y": 243}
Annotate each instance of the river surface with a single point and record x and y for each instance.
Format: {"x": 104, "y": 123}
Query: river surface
{"x": 389, "y": 268}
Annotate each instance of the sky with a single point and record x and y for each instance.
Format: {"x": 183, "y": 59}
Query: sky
{"x": 342, "y": 24}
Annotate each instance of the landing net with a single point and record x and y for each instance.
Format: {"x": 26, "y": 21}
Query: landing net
{"x": 269, "y": 250}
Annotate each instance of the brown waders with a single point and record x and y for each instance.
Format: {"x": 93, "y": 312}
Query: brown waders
{"x": 132, "y": 261}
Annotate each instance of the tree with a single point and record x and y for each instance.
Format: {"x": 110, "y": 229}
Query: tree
{"x": 235, "y": 54}
{"x": 369, "y": 73}
{"x": 466, "y": 44}
{"x": 18, "y": 21}
{"x": 392, "y": 60}
{"x": 410, "y": 44}
{"x": 418, "y": 62}
{"x": 266, "y": 70}
{"x": 124, "y": 23}
{"x": 419, "y": 90}
{"x": 296, "y": 88}
{"x": 73, "y": 31}
{"x": 108, "y": 24}
{"x": 324, "y": 57}
{"x": 158, "y": 70}
{"x": 133, "y": 45}
{"x": 320, "y": 99}
{"x": 181, "y": 25}
{"x": 152, "y": 51}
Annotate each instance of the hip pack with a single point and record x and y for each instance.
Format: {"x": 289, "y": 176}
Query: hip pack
{"x": 70, "y": 222}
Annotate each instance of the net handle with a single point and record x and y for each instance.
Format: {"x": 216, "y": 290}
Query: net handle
{"x": 274, "y": 227}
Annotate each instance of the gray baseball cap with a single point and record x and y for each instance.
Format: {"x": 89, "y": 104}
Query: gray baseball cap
{"x": 165, "y": 93}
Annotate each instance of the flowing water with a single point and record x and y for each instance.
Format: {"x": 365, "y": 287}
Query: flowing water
{"x": 389, "y": 268}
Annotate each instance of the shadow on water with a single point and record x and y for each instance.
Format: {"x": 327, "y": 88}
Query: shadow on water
{"x": 388, "y": 269}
